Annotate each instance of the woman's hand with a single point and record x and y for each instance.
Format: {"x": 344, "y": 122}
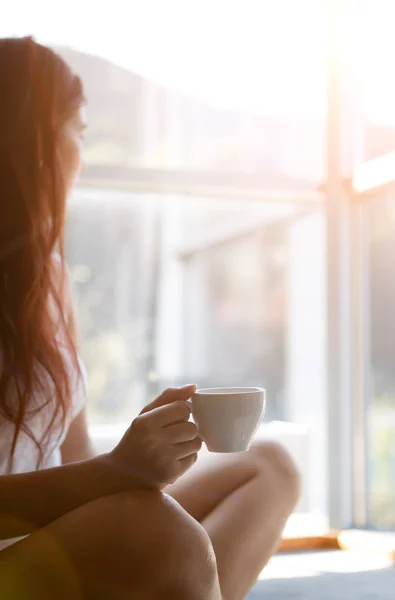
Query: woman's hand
{"x": 161, "y": 444}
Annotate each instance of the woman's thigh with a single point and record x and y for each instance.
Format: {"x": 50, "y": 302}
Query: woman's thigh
{"x": 212, "y": 479}
{"x": 122, "y": 546}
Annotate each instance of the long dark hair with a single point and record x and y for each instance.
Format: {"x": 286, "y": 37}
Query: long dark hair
{"x": 39, "y": 93}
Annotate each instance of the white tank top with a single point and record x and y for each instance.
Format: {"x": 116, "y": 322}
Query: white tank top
{"x": 26, "y": 452}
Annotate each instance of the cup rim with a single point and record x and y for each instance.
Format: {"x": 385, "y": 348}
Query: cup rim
{"x": 229, "y": 391}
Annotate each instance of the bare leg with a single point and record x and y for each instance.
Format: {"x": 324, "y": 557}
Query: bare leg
{"x": 243, "y": 501}
{"x": 141, "y": 545}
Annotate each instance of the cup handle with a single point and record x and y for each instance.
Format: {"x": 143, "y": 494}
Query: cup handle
{"x": 191, "y": 415}
{"x": 190, "y": 404}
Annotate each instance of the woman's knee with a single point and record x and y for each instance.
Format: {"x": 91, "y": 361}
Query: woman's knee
{"x": 145, "y": 541}
{"x": 190, "y": 570}
{"x": 274, "y": 460}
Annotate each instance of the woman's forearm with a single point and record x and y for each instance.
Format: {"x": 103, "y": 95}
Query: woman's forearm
{"x": 29, "y": 501}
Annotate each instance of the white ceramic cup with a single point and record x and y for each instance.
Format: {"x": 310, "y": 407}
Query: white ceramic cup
{"x": 228, "y": 418}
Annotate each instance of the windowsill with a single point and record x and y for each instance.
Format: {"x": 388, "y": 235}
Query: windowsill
{"x": 306, "y": 525}
{"x": 105, "y": 435}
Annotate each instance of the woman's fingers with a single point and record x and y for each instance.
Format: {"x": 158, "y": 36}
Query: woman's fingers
{"x": 187, "y": 448}
{"x": 181, "y": 432}
{"x": 176, "y": 412}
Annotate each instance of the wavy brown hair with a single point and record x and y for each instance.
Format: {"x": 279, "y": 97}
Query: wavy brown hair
{"x": 39, "y": 94}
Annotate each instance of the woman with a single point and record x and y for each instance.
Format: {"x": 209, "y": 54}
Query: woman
{"x": 143, "y": 521}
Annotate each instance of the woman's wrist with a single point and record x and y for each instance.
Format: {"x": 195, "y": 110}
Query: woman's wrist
{"x": 122, "y": 475}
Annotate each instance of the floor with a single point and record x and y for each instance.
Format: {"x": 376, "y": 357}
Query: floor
{"x": 327, "y": 575}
